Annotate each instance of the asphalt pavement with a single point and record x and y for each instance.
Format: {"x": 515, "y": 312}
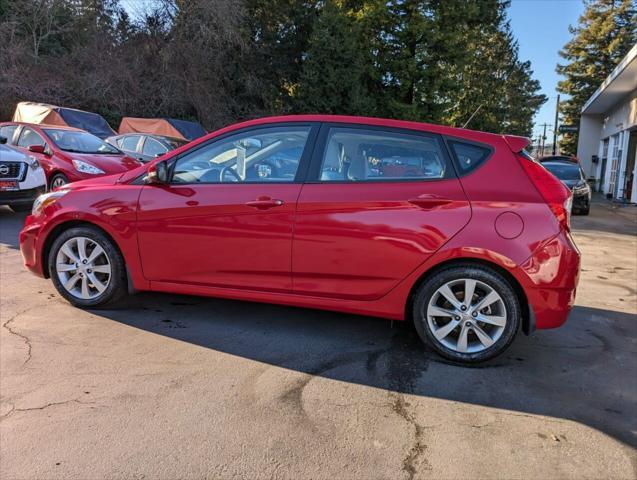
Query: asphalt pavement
{"x": 168, "y": 386}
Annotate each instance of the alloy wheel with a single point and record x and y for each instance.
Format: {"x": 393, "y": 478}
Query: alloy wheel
{"x": 466, "y": 315}
{"x": 58, "y": 182}
{"x": 83, "y": 268}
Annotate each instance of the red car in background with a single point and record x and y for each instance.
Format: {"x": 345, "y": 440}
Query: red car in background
{"x": 459, "y": 231}
{"x": 66, "y": 154}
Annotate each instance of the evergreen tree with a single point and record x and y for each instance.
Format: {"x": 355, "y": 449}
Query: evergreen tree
{"x": 334, "y": 71}
{"x": 606, "y": 31}
{"x": 279, "y": 33}
{"x": 498, "y": 93}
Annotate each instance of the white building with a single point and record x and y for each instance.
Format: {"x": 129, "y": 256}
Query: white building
{"x": 607, "y": 143}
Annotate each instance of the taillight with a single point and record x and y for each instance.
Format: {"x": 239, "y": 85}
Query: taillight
{"x": 554, "y": 192}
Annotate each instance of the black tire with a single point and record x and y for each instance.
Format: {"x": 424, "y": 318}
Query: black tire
{"x": 485, "y": 275}
{"x": 22, "y": 207}
{"x": 118, "y": 285}
{"x": 586, "y": 210}
{"x": 58, "y": 177}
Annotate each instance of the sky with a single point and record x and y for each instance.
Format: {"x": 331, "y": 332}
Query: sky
{"x": 541, "y": 28}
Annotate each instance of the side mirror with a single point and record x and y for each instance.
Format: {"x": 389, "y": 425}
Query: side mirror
{"x": 37, "y": 149}
{"x": 157, "y": 173}
{"x": 3, "y": 140}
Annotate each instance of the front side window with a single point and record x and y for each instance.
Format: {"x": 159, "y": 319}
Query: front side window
{"x": 263, "y": 155}
{"x": 369, "y": 155}
{"x": 7, "y": 132}
{"x": 79, "y": 142}
{"x": 29, "y": 137}
{"x": 152, "y": 147}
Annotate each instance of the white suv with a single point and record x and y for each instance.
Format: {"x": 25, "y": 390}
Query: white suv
{"x": 22, "y": 178}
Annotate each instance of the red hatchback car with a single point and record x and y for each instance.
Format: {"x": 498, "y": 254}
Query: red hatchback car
{"x": 66, "y": 154}
{"x": 458, "y": 231}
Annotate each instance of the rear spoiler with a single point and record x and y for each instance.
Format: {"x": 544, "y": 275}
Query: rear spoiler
{"x": 515, "y": 143}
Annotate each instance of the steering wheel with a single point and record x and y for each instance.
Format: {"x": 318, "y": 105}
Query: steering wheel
{"x": 231, "y": 173}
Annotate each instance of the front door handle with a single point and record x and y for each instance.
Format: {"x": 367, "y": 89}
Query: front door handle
{"x": 429, "y": 202}
{"x": 263, "y": 203}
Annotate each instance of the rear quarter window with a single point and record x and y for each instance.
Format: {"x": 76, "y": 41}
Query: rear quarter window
{"x": 468, "y": 156}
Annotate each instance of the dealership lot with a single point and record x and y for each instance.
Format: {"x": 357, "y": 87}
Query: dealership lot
{"x": 167, "y": 386}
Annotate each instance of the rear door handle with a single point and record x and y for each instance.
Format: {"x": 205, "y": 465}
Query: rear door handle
{"x": 263, "y": 203}
{"x": 429, "y": 202}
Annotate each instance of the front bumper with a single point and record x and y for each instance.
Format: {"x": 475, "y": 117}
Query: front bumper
{"x": 551, "y": 276}
{"x": 20, "y": 197}
{"x": 581, "y": 200}
{"x": 29, "y": 247}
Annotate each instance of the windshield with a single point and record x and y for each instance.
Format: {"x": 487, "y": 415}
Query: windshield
{"x": 564, "y": 171}
{"x": 79, "y": 142}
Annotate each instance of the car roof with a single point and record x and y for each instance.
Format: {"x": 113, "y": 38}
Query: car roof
{"x": 517, "y": 143}
{"x": 43, "y": 125}
{"x": 152, "y": 135}
{"x": 558, "y": 158}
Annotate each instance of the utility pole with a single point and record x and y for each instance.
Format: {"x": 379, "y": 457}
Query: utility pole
{"x": 543, "y": 137}
{"x": 557, "y": 113}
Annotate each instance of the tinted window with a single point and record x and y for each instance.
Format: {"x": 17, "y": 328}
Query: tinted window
{"x": 563, "y": 170}
{"x": 7, "y": 132}
{"x": 468, "y": 155}
{"x": 360, "y": 155}
{"x": 152, "y": 147}
{"x": 129, "y": 143}
{"x": 263, "y": 155}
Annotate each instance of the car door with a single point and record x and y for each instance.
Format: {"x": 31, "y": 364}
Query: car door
{"x": 28, "y": 137}
{"x": 377, "y": 203}
{"x": 225, "y": 219}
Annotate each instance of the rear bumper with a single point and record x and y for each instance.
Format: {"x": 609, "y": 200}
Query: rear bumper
{"x": 550, "y": 278}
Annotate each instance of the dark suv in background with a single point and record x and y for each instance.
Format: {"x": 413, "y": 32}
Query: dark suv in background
{"x": 570, "y": 173}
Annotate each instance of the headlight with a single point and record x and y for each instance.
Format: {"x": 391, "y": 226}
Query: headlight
{"x": 84, "y": 167}
{"x": 580, "y": 187}
{"x": 34, "y": 164}
{"x": 46, "y": 199}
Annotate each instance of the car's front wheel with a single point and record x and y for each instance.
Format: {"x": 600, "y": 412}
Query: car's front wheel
{"x": 467, "y": 313}
{"x": 87, "y": 268}
{"x": 58, "y": 180}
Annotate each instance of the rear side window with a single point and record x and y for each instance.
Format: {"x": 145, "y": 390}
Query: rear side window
{"x": 468, "y": 155}
{"x": 7, "y": 132}
{"x": 359, "y": 155}
{"x": 129, "y": 143}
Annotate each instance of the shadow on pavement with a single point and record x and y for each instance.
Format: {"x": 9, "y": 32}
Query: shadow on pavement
{"x": 584, "y": 371}
{"x": 10, "y": 225}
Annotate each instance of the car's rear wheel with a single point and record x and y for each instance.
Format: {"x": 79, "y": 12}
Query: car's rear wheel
{"x": 58, "y": 180}
{"x": 86, "y": 267}
{"x": 467, "y": 313}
